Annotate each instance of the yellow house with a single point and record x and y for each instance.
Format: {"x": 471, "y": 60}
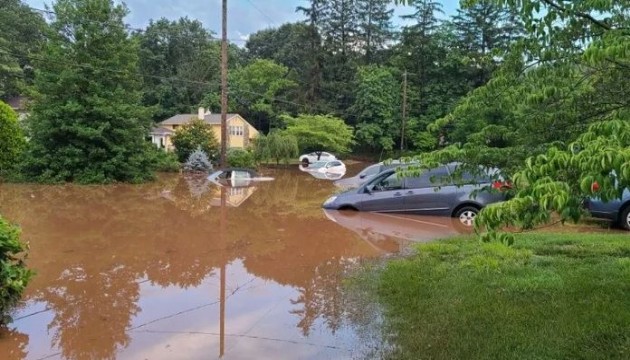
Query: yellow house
{"x": 240, "y": 132}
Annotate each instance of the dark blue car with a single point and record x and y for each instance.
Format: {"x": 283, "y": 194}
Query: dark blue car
{"x": 617, "y": 211}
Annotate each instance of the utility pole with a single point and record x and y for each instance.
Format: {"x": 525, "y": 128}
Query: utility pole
{"x": 404, "y": 112}
{"x": 224, "y": 85}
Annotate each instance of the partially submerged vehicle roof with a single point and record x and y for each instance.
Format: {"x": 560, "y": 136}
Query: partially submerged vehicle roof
{"x": 251, "y": 172}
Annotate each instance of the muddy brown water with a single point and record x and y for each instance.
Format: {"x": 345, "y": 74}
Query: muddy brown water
{"x": 182, "y": 269}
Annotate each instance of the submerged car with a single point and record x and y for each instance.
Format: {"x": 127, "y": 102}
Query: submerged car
{"x": 317, "y": 156}
{"x": 236, "y": 177}
{"x": 367, "y": 174}
{"x": 617, "y": 211}
{"x": 389, "y": 192}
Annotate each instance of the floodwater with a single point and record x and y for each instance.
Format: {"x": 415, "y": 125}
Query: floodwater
{"x": 182, "y": 269}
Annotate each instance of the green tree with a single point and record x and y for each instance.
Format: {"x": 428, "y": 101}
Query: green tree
{"x": 278, "y": 146}
{"x": 374, "y": 28}
{"x": 376, "y": 106}
{"x": 568, "y": 106}
{"x": 256, "y": 88}
{"x": 197, "y": 134}
{"x": 11, "y": 139}
{"x": 21, "y": 39}
{"x": 14, "y": 276}
{"x": 87, "y": 124}
{"x": 179, "y": 66}
{"x": 319, "y": 133}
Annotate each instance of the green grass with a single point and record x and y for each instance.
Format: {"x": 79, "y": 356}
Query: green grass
{"x": 550, "y": 296}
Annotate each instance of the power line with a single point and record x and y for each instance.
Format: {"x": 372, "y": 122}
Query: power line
{"x": 271, "y": 21}
{"x": 126, "y": 26}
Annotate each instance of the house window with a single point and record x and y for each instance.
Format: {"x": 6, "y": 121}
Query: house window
{"x": 236, "y": 130}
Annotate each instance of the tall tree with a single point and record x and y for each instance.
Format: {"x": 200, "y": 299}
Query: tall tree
{"x": 376, "y": 107}
{"x": 87, "y": 124}
{"x": 315, "y": 15}
{"x": 21, "y": 39}
{"x": 375, "y": 27}
{"x": 178, "y": 64}
{"x": 485, "y": 32}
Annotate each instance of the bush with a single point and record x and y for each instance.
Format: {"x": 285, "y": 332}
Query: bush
{"x": 241, "y": 158}
{"x": 196, "y": 134}
{"x": 164, "y": 161}
{"x": 11, "y": 139}
{"x": 198, "y": 161}
{"x": 14, "y": 276}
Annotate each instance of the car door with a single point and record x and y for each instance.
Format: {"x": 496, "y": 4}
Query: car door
{"x": 385, "y": 194}
{"x": 422, "y": 197}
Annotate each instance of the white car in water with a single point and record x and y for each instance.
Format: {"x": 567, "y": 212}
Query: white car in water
{"x": 328, "y": 167}
{"x": 317, "y": 156}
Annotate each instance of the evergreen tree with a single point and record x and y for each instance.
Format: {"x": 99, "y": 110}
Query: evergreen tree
{"x": 483, "y": 29}
{"x": 87, "y": 124}
{"x": 315, "y": 15}
{"x": 198, "y": 161}
{"x": 375, "y": 27}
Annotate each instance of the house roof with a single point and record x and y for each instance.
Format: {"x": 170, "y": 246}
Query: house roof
{"x": 161, "y": 131}
{"x": 181, "y": 119}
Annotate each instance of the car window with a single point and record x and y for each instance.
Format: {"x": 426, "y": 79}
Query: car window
{"x": 240, "y": 175}
{"x": 370, "y": 170}
{"x": 391, "y": 182}
{"x": 335, "y": 163}
{"x": 425, "y": 179}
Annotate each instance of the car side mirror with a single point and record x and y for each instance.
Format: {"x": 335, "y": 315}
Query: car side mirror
{"x": 369, "y": 189}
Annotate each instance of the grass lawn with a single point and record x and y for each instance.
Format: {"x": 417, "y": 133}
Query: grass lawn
{"x": 550, "y": 296}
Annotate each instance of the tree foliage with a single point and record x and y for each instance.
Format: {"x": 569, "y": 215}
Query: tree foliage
{"x": 197, "y": 134}
{"x": 12, "y": 140}
{"x": 14, "y": 275}
{"x": 319, "y": 132}
{"x": 22, "y": 33}
{"x": 554, "y": 118}
{"x": 376, "y": 107}
{"x": 87, "y": 124}
{"x": 198, "y": 162}
{"x": 278, "y": 146}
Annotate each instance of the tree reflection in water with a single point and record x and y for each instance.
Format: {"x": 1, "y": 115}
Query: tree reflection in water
{"x": 91, "y": 246}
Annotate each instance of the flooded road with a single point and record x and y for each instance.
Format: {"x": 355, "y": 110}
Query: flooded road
{"x": 180, "y": 268}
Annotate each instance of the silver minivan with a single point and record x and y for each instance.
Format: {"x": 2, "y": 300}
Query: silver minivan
{"x": 425, "y": 194}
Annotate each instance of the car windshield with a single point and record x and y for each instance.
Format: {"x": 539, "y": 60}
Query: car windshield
{"x": 317, "y": 165}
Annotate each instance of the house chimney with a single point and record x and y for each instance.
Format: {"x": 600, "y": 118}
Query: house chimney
{"x": 201, "y": 113}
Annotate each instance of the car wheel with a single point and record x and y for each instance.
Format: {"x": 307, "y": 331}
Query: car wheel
{"x": 305, "y": 161}
{"x": 467, "y": 215}
{"x": 625, "y": 218}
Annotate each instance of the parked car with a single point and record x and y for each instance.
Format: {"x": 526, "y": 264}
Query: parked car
{"x": 367, "y": 174}
{"x": 317, "y": 156}
{"x": 617, "y": 211}
{"x": 389, "y": 192}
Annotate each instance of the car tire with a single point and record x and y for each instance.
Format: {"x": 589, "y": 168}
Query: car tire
{"x": 305, "y": 161}
{"x": 466, "y": 216}
{"x": 624, "y": 218}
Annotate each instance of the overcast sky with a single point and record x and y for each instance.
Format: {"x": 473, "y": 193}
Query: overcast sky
{"x": 244, "y": 16}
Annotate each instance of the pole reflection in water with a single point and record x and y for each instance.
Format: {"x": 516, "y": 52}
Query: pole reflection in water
{"x": 125, "y": 271}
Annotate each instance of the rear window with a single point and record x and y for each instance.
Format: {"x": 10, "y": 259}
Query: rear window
{"x": 431, "y": 178}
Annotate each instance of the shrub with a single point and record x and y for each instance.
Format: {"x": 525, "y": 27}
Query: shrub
{"x": 195, "y": 134}
{"x": 164, "y": 161}
{"x": 14, "y": 276}
{"x": 198, "y": 161}
{"x": 241, "y": 158}
{"x": 11, "y": 139}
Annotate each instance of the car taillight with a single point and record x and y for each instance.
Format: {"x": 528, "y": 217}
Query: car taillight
{"x": 501, "y": 185}
{"x": 595, "y": 187}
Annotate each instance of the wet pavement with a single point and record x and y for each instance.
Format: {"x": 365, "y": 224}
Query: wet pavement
{"x": 181, "y": 268}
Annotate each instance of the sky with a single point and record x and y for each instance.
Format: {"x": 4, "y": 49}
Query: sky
{"x": 244, "y": 16}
